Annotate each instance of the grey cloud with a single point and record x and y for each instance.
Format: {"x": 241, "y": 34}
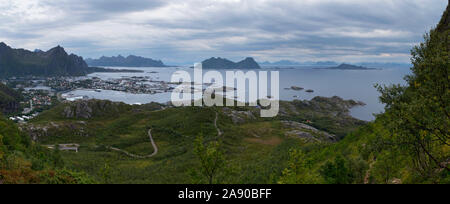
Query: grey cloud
{"x": 191, "y": 30}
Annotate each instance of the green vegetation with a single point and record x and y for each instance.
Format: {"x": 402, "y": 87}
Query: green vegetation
{"x": 22, "y": 161}
{"x": 249, "y": 145}
{"x": 211, "y": 159}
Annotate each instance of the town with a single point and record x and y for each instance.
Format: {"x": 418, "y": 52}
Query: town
{"x": 40, "y": 94}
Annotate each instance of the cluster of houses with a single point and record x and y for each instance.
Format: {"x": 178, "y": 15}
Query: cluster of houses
{"x": 23, "y": 118}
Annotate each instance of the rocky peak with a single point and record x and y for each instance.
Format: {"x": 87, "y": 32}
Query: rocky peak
{"x": 3, "y": 46}
{"x": 57, "y": 50}
{"x": 248, "y": 63}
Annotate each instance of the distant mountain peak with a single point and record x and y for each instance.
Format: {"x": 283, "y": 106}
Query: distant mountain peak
{"x": 57, "y": 49}
{"x": 222, "y": 63}
{"x": 121, "y": 61}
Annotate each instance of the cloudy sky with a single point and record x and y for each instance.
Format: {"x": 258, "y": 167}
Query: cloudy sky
{"x": 187, "y": 31}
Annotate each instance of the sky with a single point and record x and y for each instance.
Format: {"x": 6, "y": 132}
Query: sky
{"x": 188, "y": 31}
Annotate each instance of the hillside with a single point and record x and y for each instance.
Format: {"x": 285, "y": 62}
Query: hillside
{"x": 9, "y": 100}
{"x": 250, "y": 143}
{"x": 221, "y": 63}
{"x": 23, "y": 162}
{"x": 120, "y": 61}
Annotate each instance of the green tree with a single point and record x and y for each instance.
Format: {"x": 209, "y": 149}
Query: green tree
{"x": 385, "y": 167}
{"x": 105, "y": 174}
{"x": 298, "y": 170}
{"x": 337, "y": 172}
{"x": 57, "y": 159}
{"x": 212, "y": 160}
{"x": 2, "y": 147}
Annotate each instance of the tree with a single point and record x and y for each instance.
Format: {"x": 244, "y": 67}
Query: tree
{"x": 105, "y": 174}
{"x": 57, "y": 159}
{"x": 2, "y": 147}
{"x": 298, "y": 170}
{"x": 211, "y": 159}
{"x": 337, "y": 172}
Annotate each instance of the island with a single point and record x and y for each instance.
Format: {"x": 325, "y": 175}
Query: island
{"x": 222, "y": 63}
{"x": 296, "y": 88}
{"x": 349, "y": 67}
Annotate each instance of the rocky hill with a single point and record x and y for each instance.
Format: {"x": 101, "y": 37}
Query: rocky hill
{"x": 130, "y": 61}
{"x": 222, "y": 63}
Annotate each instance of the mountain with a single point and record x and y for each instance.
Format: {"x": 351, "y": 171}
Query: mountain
{"x": 54, "y": 62}
{"x": 326, "y": 63}
{"x": 9, "y": 100}
{"x": 348, "y": 67}
{"x": 130, "y": 61}
{"x": 222, "y": 63}
{"x": 281, "y": 63}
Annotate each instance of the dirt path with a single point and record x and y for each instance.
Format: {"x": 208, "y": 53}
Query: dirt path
{"x": 367, "y": 177}
{"x": 139, "y": 156}
{"x": 219, "y": 133}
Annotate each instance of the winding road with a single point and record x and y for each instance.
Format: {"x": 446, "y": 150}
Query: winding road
{"x": 139, "y": 156}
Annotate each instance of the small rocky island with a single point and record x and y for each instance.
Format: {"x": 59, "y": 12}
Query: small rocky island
{"x": 296, "y": 88}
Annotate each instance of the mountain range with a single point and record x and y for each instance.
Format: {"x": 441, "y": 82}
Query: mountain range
{"x": 120, "y": 61}
{"x": 333, "y": 63}
{"x": 222, "y": 63}
{"x": 294, "y": 63}
{"x": 54, "y": 62}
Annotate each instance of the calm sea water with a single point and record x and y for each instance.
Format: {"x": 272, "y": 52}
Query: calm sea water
{"x": 348, "y": 84}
